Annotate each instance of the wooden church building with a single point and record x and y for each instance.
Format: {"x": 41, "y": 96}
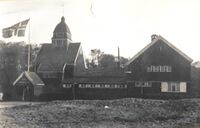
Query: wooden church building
{"x": 159, "y": 70}
{"x": 58, "y": 60}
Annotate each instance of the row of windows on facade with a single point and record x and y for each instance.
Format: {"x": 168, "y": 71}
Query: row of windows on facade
{"x": 173, "y": 87}
{"x": 96, "y": 85}
{"x": 143, "y": 84}
{"x": 166, "y": 86}
{"x": 159, "y": 68}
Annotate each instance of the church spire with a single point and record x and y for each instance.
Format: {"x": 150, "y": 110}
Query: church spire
{"x": 61, "y": 35}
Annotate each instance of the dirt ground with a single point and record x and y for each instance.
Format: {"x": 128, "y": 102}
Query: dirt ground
{"x": 123, "y": 113}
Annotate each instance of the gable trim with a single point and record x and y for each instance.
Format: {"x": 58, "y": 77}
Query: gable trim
{"x": 25, "y": 73}
{"x": 14, "y": 83}
{"x": 78, "y": 52}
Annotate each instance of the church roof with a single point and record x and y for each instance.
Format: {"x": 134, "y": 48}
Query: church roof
{"x": 72, "y": 53}
{"x": 52, "y": 59}
{"x": 100, "y": 72}
{"x": 31, "y": 76}
{"x": 155, "y": 41}
{"x": 62, "y": 27}
{"x": 95, "y": 79}
{"x": 98, "y": 75}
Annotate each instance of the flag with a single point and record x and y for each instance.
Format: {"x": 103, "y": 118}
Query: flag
{"x": 15, "y": 30}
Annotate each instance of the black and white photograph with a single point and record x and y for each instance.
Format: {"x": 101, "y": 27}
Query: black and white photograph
{"x": 99, "y": 64}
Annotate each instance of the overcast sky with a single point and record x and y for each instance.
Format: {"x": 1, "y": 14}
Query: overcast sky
{"x": 107, "y": 24}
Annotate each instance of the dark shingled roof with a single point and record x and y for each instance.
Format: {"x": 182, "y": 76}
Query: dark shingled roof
{"x": 98, "y": 72}
{"x": 72, "y": 53}
{"x": 98, "y": 75}
{"x": 95, "y": 79}
{"x": 51, "y": 58}
{"x": 31, "y": 76}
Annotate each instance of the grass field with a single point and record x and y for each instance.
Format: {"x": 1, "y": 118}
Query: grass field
{"x": 122, "y": 113}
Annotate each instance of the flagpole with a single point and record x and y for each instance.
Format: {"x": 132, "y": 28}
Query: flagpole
{"x": 29, "y": 47}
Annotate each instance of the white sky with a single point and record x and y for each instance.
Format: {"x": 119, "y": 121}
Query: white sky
{"x": 111, "y": 23}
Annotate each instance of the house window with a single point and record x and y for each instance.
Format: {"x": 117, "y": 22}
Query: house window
{"x": 125, "y": 86}
{"x": 82, "y": 86}
{"x": 97, "y": 86}
{"x": 183, "y": 87}
{"x": 159, "y": 68}
{"x": 107, "y": 86}
{"x": 67, "y": 85}
{"x": 88, "y": 85}
{"x": 102, "y": 85}
{"x": 173, "y": 87}
{"x": 143, "y": 84}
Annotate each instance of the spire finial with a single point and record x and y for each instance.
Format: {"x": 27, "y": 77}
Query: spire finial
{"x": 62, "y": 19}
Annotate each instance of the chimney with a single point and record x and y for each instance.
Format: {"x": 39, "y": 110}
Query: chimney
{"x": 153, "y": 37}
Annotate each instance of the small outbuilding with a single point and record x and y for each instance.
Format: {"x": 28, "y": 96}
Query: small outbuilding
{"x": 28, "y": 86}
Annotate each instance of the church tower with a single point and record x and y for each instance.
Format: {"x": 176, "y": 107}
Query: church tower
{"x": 61, "y": 35}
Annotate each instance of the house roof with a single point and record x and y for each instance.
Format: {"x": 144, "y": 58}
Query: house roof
{"x": 155, "y": 41}
{"x": 51, "y": 58}
{"x": 72, "y": 53}
{"x": 95, "y": 79}
{"x": 32, "y": 77}
{"x": 99, "y": 72}
{"x": 98, "y": 75}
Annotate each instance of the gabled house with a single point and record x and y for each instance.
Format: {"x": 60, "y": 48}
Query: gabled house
{"x": 28, "y": 86}
{"x": 159, "y": 70}
{"x": 58, "y": 60}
